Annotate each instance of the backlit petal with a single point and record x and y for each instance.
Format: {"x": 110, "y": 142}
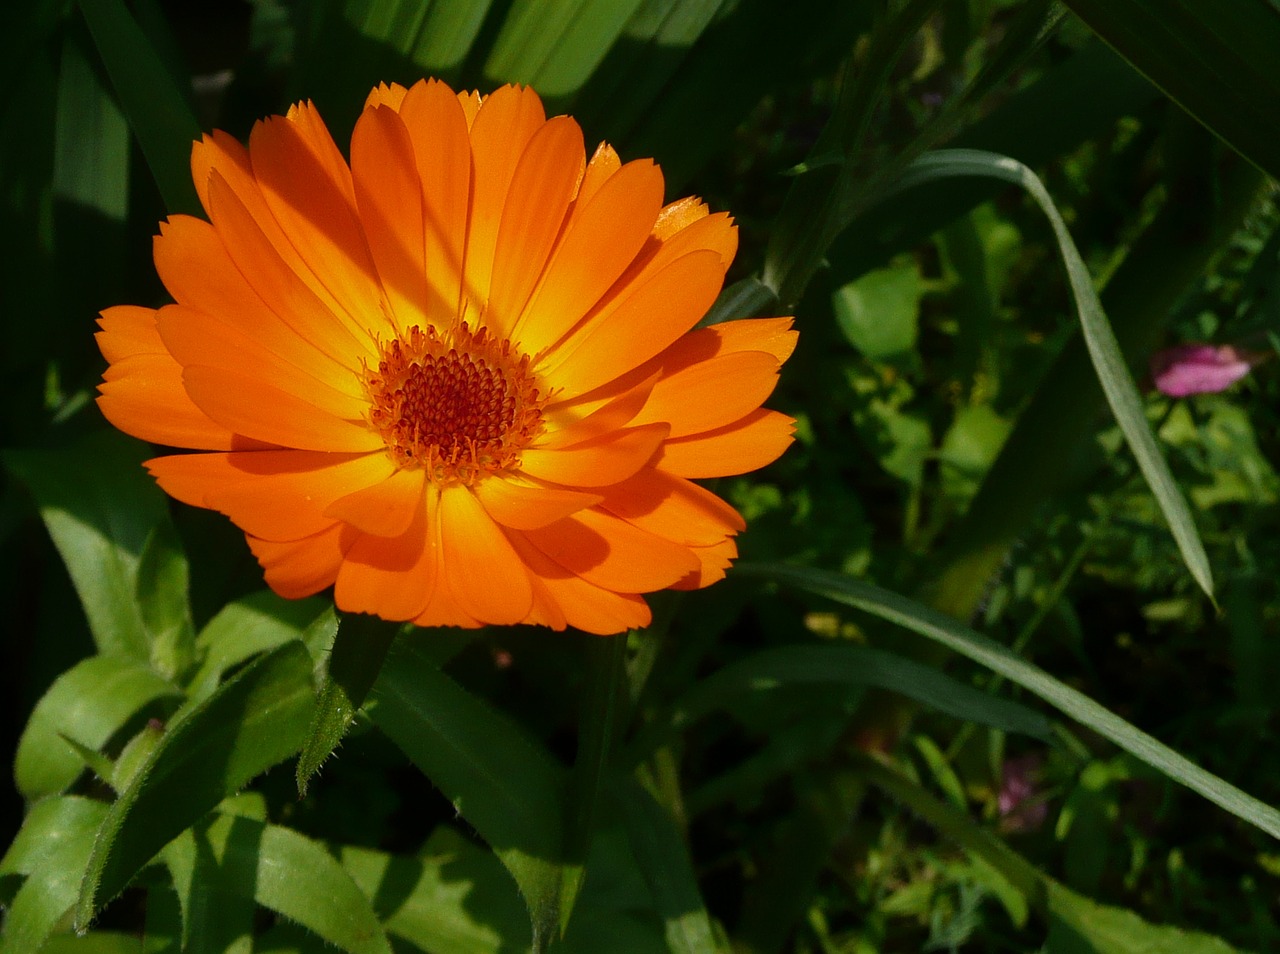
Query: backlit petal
{"x": 386, "y": 508}
{"x": 712, "y": 393}
{"x": 673, "y": 508}
{"x": 756, "y": 440}
{"x": 598, "y": 462}
{"x": 487, "y": 578}
{"x": 613, "y": 554}
{"x": 520, "y": 503}
{"x": 392, "y": 577}
{"x": 300, "y": 568}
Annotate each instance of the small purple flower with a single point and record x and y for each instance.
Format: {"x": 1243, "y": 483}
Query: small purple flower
{"x": 1021, "y": 806}
{"x": 1198, "y": 368}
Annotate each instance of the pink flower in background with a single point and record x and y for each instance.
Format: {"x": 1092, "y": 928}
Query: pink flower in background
{"x": 1022, "y": 806}
{"x": 1199, "y": 368}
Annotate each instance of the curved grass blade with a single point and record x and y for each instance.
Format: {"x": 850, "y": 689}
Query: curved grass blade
{"x": 507, "y": 787}
{"x": 1108, "y": 362}
{"x": 943, "y": 629}
{"x": 255, "y": 720}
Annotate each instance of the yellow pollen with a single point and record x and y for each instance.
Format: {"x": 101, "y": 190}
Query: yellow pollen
{"x": 461, "y": 404}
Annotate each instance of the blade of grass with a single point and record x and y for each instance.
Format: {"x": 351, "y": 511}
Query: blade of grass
{"x": 943, "y": 629}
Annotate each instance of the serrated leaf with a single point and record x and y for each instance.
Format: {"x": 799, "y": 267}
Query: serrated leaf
{"x": 943, "y": 629}
{"x": 100, "y": 527}
{"x": 359, "y": 648}
{"x": 507, "y": 787}
{"x": 237, "y": 858}
{"x": 211, "y": 750}
{"x": 89, "y": 703}
{"x": 252, "y": 625}
{"x": 54, "y": 870}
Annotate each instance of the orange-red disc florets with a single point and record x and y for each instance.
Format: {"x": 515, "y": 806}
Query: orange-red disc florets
{"x": 460, "y": 404}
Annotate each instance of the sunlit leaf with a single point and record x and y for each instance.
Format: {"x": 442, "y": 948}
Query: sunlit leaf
{"x": 255, "y": 720}
{"x": 238, "y": 858}
{"x": 89, "y": 703}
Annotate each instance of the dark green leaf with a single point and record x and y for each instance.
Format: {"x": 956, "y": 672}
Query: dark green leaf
{"x": 89, "y": 703}
{"x": 255, "y": 720}
{"x": 1216, "y": 60}
{"x": 164, "y": 601}
{"x": 502, "y": 783}
{"x": 152, "y": 99}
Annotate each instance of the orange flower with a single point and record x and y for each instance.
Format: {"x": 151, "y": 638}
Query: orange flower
{"x": 454, "y": 380}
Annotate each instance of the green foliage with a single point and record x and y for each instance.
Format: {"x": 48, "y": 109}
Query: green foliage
{"x": 979, "y": 482}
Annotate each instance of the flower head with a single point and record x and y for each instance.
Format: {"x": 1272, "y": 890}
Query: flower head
{"x": 455, "y": 379}
{"x": 1188, "y": 369}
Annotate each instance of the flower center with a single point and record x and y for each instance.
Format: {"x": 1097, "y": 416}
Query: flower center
{"x": 460, "y": 404}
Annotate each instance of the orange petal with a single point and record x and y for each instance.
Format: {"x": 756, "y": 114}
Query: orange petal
{"x": 470, "y": 101}
{"x": 193, "y": 338}
{"x": 389, "y": 197}
{"x": 568, "y": 599}
{"x": 126, "y": 330}
{"x": 542, "y": 187}
{"x": 307, "y": 186}
{"x": 604, "y": 163}
{"x": 486, "y": 577}
{"x": 573, "y": 422}
{"x": 506, "y": 121}
{"x": 276, "y": 283}
{"x": 143, "y": 395}
{"x": 259, "y": 410}
{"x": 299, "y": 568}
{"x": 393, "y": 577}
{"x": 673, "y": 508}
{"x": 437, "y": 128}
{"x": 596, "y": 463}
{"x": 613, "y": 554}
{"x": 774, "y": 335}
{"x": 712, "y": 393}
{"x": 601, "y": 241}
{"x": 714, "y": 561}
{"x": 386, "y": 508}
{"x": 218, "y": 150}
{"x": 637, "y": 324}
{"x": 679, "y": 215}
{"x": 274, "y": 495}
{"x": 194, "y": 265}
{"x": 523, "y": 504}
{"x": 756, "y": 440}
{"x": 386, "y": 95}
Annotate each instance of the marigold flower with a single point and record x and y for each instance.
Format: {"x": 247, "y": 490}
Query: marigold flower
{"x": 455, "y": 379}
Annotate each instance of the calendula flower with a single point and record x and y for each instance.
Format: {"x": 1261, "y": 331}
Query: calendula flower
{"x": 455, "y": 379}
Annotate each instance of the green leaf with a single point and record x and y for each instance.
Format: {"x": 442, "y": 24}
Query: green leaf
{"x": 845, "y": 664}
{"x": 99, "y": 942}
{"x": 153, "y": 100}
{"x": 211, "y": 750}
{"x": 1215, "y": 60}
{"x": 359, "y": 648}
{"x": 455, "y": 898}
{"x": 878, "y": 312}
{"x": 1080, "y": 926}
{"x": 446, "y": 34}
{"x": 554, "y": 45}
{"x": 663, "y": 859}
{"x": 943, "y": 629}
{"x": 163, "y": 598}
{"x": 89, "y": 703}
{"x": 252, "y": 625}
{"x": 91, "y": 156}
{"x": 238, "y": 858}
{"x": 65, "y": 832}
{"x": 505, "y": 785}
{"x": 1108, "y": 361}
{"x": 101, "y": 527}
